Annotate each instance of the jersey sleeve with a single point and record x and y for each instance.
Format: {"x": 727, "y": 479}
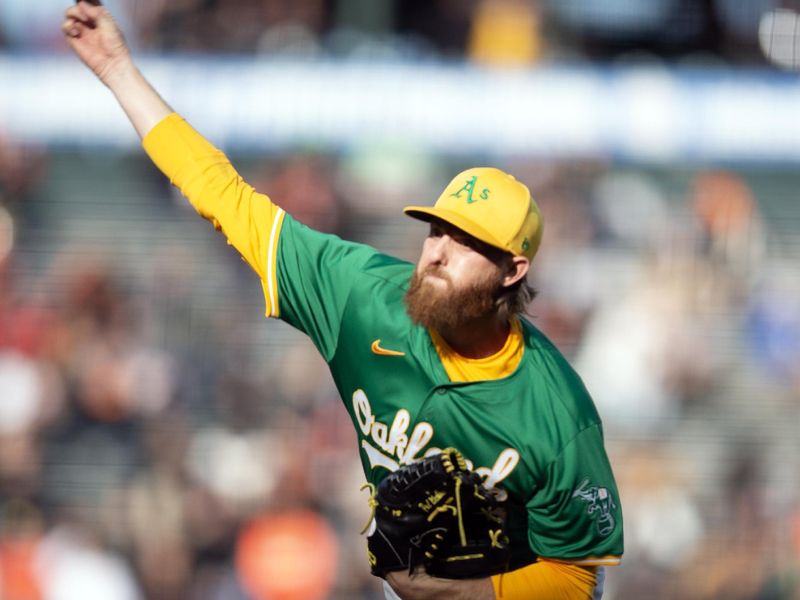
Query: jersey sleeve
{"x": 576, "y": 515}
{"x": 316, "y": 273}
{"x": 306, "y": 275}
{"x": 250, "y": 220}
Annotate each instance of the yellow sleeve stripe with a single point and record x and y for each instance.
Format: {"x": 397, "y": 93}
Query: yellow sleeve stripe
{"x": 592, "y": 561}
{"x": 270, "y": 282}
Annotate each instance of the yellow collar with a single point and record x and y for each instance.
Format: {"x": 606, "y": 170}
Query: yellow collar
{"x": 498, "y": 365}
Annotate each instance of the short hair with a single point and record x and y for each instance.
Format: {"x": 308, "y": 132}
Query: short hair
{"x": 514, "y": 299}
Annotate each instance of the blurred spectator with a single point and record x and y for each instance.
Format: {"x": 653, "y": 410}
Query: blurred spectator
{"x": 6, "y": 245}
{"x": 156, "y": 525}
{"x": 230, "y": 26}
{"x": 643, "y": 353}
{"x": 232, "y": 465}
{"x": 445, "y": 24}
{"x": 631, "y": 213}
{"x": 73, "y": 566}
{"x": 303, "y": 185}
{"x": 21, "y": 391}
{"x": 732, "y": 231}
{"x": 773, "y": 324}
{"x": 746, "y": 546}
{"x": 168, "y": 25}
{"x": 20, "y": 168}
{"x": 663, "y": 520}
{"x": 292, "y": 25}
{"x": 21, "y": 530}
{"x": 664, "y": 27}
{"x": 287, "y": 556}
{"x": 505, "y": 33}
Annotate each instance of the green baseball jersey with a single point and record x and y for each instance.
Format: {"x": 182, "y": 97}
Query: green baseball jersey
{"x": 535, "y": 433}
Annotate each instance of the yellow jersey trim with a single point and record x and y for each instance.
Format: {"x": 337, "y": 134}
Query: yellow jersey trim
{"x": 499, "y": 365}
{"x": 271, "y": 277}
{"x": 592, "y": 561}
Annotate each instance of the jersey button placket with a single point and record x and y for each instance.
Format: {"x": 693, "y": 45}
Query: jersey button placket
{"x": 428, "y": 407}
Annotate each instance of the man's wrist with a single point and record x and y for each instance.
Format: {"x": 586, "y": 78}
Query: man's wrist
{"x": 119, "y": 73}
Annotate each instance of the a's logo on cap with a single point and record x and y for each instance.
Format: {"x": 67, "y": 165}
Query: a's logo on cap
{"x": 525, "y": 245}
{"x": 469, "y": 187}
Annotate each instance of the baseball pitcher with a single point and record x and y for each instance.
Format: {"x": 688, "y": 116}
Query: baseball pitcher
{"x": 482, "y": 450}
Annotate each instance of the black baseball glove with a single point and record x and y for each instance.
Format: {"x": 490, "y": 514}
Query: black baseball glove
{"x": 437, "y": 514}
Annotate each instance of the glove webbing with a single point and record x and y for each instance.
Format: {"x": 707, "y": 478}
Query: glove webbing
{"x": 405, "y": 498}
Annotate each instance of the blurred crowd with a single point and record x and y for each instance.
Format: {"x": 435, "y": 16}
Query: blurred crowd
{"x": 494, "y": 32}
{"x": 160, "y": 439}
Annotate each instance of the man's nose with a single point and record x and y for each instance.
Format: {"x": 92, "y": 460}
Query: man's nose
{"x": 438, "y": 249}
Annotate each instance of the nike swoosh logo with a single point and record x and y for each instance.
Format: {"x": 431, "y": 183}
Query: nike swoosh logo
{"x": 376, "y": 348}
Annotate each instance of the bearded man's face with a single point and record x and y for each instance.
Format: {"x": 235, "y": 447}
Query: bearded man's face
{"x": 454, "y": 282}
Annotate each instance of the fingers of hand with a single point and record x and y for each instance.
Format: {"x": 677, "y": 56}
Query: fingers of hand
{"x": 77, "y": 12}
{"x": 84, "y": 14}
{"x": 71, "y": 27}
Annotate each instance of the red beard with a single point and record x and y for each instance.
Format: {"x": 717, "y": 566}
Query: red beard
{"x": 447, "y": 307}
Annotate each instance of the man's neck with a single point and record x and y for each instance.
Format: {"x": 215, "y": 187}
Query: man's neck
{"x": 478, "y": 338}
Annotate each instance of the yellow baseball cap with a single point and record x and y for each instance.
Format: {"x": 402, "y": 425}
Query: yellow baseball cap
{"x": 492, "y": 206}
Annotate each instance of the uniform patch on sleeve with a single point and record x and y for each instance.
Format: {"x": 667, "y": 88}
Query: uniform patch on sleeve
{"x": 600, "y": 506}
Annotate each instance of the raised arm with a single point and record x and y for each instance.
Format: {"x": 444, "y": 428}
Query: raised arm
{"x": 95, "y": 37}
{"x": 250, "y": 221}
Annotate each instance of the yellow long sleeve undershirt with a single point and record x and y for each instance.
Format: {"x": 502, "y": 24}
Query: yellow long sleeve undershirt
{"x": 250, "y": 220}
{"x": 547, "y": 580}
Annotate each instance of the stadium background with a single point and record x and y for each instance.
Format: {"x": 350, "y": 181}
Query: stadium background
{"x": 160, "y": 439}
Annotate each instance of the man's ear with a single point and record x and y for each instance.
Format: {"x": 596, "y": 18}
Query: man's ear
{"x": 517, "y": 269}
